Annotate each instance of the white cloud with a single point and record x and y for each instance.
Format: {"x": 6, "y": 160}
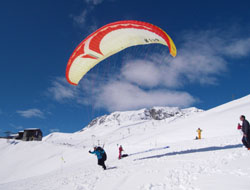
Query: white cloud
{"x": 19, "y": 127}
{"x": 195, "y": 67}
{"x": 187, "y": 67}
{"x": 61, "y": 90}
{"x": 122, "y": 95}
{"x": 142, "y": 72}
{"x": 81, "y": 18}
{"x": 31, "y": 113}
{"x": 238, "y": 48}
{"x": 94, "y": 2}
{"x": 201, "y": 59}
{"x": 126, "y": 96}
{"x": 54, "y": 130}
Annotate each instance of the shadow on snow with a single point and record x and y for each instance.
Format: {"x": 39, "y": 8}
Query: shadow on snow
{"x": 207, "y": 149}
{"x": 111, "y": 168}
{"x": 149, "y": 150}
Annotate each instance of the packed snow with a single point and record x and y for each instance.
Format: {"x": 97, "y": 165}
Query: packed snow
{"x": 163, "y": 153}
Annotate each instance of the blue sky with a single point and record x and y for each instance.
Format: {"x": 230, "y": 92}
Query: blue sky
{"x": 38, "y": 37}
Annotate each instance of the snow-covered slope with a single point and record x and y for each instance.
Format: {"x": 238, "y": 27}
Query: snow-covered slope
{"x": 161, "y": 145}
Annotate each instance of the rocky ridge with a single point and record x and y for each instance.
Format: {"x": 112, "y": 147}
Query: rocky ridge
{"x": 155, "y": 113}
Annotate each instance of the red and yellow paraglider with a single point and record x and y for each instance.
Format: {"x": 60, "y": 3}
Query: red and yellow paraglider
{"x": 111, "y": 39}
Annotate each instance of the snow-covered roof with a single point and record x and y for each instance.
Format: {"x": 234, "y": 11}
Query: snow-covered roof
{"x": 30, "y": 129}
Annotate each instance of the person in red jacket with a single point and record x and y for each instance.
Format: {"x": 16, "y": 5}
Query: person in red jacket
{"x": 120, "y": 152}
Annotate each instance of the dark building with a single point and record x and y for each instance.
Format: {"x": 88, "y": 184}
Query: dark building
{"x": 20, "y": 135}
{"x": 32, "y": 135}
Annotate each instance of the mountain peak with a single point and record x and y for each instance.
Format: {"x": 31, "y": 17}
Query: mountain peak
{"x": 154, "y": 113}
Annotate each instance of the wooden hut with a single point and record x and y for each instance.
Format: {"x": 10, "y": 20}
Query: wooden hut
{"x": 32, "y": 134}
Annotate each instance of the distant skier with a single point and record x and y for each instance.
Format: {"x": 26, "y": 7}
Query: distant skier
{"x": 245, "y": 127}
{"x": 120, "y": 153}
{"x": 101, "y": 156}
{"x": 199, "y": 133}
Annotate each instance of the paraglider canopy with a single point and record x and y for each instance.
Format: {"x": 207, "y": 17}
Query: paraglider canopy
{"x": 111, "y": 39}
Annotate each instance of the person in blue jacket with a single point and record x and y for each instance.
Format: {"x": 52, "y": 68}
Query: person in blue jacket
{"x": 101, "y": 156}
